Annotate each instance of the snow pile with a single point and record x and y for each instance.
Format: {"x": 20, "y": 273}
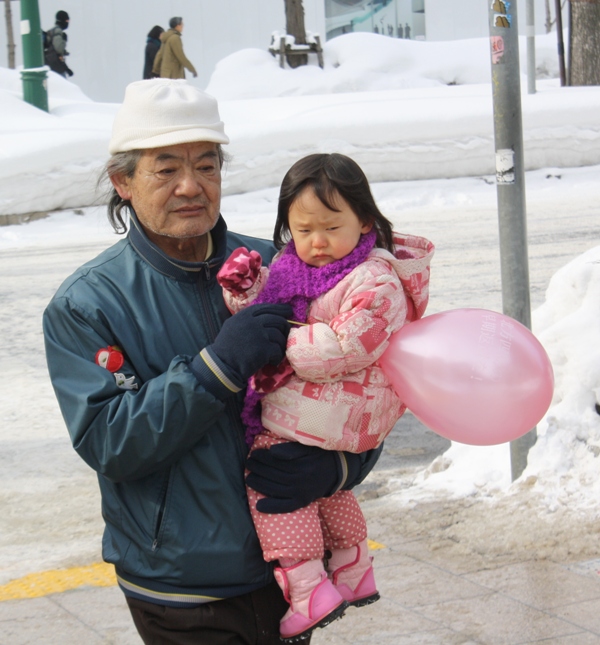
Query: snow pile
{"x": 405, "y": 110}
{"x": 363, "y": 62}
{"x": 50, "y": 161}
{"x": 565, "y": 460}
{"x": 562, "y": 471}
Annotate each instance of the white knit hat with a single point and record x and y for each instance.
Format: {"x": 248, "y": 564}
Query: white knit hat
{"x": 164, "y": 112}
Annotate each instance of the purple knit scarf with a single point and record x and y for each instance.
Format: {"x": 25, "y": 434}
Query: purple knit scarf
{"x": 294, "y": 282}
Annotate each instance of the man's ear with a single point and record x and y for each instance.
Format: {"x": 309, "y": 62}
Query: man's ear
{"x": 121, "y": 185}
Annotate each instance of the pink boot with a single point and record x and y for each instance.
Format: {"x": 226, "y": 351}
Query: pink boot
{"x": 351, "y": 572}
{"x": 314, "y": 601}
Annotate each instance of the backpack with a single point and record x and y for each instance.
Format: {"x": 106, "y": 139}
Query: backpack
{"x": 47, "y": 39}
{"x": 51, "y": 57}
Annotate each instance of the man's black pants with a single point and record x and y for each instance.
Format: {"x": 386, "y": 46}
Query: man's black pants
{"x": 251, "y": 619}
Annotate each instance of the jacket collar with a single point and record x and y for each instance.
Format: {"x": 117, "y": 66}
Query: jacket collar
{"x": 178, "y": 269}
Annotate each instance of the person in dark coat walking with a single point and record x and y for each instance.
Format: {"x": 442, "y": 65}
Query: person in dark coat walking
{"x": 152, "y": 46}
{"x": 56, "y": 51}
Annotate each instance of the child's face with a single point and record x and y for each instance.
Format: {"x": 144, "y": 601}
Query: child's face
{"x": 321, "y": 235}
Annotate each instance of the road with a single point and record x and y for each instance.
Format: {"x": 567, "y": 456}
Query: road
{"x": 43, "y": 484}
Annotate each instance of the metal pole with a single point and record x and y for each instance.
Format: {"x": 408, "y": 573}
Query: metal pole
{"x": 34, "y": 73}
{"x": 561, "y": 44}
{"x": 530, "y": 20}
{"x": 510, "y": 183}
{"x": 569, "y": 64}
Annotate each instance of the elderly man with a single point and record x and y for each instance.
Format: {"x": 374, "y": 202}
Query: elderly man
{"x": 170, "y": 62}
{"x": 149, "y": 369}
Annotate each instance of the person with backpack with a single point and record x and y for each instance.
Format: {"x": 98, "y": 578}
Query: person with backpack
{"x": 55, "y": 45}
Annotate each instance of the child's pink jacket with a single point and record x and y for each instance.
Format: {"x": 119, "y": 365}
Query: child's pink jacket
{"x": 339, "y": 397}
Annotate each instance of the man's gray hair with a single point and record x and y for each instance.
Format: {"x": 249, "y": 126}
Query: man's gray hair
{"x": 125, "y": 164}
{"x": 175, "y": 21}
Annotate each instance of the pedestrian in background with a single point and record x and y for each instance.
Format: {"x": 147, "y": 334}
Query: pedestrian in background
{"x": 55, "y": 47}
{"x": 152, "y": 46}
{"x": 170, "y": 60}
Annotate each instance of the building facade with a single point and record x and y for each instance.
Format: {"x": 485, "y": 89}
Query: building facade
{"x": 421, "y": 19}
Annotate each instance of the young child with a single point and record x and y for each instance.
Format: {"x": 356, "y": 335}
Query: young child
{"x": 352, "y": 282}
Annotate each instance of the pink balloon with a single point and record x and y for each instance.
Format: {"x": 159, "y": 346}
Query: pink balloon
{"x": 471, "y": 375}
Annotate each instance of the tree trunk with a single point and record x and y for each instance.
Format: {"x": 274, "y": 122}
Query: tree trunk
{"x": 549, "y": 22}
{"x": 584, "y": 62}
{"x": 294, "y": 26}
{"x": 10, "y": 36}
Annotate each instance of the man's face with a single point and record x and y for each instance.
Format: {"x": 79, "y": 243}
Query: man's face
{"x": 176, "y": 190}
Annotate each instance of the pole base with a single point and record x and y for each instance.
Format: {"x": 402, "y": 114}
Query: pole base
{"x": 35, "y": 88}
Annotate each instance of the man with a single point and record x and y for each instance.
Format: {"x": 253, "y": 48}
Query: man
{"x": 170, "y": 60}
{"x": 149, "y": 370}
{"x": 56, "y": 49}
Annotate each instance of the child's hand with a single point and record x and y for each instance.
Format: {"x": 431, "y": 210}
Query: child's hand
{"x": 240, "y": 270}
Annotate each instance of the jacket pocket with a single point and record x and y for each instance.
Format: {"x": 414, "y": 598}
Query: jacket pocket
{"x": 160, "y": 518}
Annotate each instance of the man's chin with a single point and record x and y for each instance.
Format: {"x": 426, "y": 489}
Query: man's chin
{"x": 188, "y": 230}
{"x": 183, "y": 236}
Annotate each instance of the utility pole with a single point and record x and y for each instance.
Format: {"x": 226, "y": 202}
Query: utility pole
{"x": 510, "y": 184}
{"x": 34, "y": 74}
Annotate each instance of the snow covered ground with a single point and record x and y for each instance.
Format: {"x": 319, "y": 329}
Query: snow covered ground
{"x": 428, "y": 149}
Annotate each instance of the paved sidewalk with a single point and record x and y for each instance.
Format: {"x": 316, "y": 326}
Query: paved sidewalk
{"x": 431, "y": 597}
{"x": 434, "y": 590}
{"x": 427, "y": 598}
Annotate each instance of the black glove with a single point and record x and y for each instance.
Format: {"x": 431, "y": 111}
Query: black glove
{"x": 292, "y": 475}
{"x": 253, "y": 338}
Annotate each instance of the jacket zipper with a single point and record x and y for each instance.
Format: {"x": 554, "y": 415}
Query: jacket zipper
{"x": 161, "y": 512}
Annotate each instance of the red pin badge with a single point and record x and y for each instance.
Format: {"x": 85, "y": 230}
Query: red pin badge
{"x": 111, "y": 358}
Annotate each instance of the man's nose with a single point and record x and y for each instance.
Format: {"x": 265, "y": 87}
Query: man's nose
{"x": 189, "y": 183}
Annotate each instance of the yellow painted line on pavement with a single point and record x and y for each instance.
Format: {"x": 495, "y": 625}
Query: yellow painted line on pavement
{"x": 44, "y": 583}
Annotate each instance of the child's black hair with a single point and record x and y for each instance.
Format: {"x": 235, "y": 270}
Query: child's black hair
{"x": 330, "y": 175}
